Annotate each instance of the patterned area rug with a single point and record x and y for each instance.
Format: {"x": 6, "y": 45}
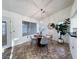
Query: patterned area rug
{"x": 54, "y": 50}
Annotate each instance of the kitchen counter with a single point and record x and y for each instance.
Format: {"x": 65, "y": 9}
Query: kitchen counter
{"x": 72, "y": 34}
{"x": 73, "y": 45}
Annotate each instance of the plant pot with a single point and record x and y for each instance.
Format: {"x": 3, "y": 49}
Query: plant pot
{"x": 60, "y": 41}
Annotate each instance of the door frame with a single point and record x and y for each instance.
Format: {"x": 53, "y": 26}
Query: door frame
{"x": 9, "y": 42}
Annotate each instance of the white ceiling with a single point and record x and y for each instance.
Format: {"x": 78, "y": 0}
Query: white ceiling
{"x": 32, "y": 8}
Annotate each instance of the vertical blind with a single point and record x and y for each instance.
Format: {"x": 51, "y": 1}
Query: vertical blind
{"x": 28, "y": 28}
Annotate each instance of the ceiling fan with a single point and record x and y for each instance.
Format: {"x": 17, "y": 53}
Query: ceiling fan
{"x": 42, "y": 10}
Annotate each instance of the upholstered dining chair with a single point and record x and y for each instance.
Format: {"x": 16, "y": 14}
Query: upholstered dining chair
{"x": 44, "y": 41}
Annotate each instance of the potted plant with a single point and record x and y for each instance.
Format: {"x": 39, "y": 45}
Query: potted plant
{"x": 62, "y": 29}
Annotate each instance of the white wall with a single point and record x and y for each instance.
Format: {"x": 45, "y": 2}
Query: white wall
{"x": 73, "y": 22}
{"x": 15, "y": 26}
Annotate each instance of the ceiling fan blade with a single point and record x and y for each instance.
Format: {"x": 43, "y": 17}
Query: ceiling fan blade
{"x": 47, "y": 4}
{"x": 35, "y": 13}
{"x": 35, "y": 4}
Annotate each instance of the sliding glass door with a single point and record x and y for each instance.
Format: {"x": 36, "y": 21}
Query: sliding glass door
{"x": 4, "y": 33}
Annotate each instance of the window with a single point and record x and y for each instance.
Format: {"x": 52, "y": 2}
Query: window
{"x": 28, "y": 28}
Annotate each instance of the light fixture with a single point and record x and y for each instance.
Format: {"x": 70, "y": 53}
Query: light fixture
{"x": 43, "y": 11}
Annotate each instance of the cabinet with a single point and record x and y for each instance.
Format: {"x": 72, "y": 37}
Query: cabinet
{"x": 73, "y": 46}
